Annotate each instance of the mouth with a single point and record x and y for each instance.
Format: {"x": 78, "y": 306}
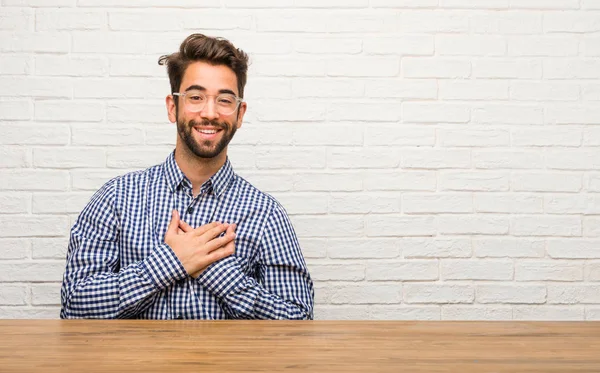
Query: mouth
{"x": 208, "y": 133}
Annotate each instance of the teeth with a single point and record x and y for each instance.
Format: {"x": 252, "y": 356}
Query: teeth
{"x": 208, "y": 132}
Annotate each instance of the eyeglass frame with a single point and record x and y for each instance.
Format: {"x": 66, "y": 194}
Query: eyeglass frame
{"x": 238, "y": 100}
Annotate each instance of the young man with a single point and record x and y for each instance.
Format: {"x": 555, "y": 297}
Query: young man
{"x": 189, "y": 239}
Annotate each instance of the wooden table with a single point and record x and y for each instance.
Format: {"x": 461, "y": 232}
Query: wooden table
{"x": 305, "y": 346}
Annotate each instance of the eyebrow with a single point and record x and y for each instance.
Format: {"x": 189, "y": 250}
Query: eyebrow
{"x": 201, "y": 88}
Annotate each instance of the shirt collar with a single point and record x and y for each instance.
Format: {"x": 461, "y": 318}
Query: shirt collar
{"x": 217, "y": 182}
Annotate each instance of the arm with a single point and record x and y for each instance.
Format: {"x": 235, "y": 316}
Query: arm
{"x": 284, "y": 289}
{"x": 93, "y": 285}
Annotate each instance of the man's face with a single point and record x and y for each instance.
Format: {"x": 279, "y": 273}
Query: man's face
{"x": 206, "y": 133}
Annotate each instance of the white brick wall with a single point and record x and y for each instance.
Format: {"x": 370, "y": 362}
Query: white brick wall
{"x": 439, "y": 158}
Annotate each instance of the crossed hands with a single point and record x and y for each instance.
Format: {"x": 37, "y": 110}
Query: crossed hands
{"x": 197, "y": 248}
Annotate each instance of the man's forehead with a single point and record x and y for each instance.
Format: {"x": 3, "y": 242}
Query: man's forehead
{"x": 211, "y": 77}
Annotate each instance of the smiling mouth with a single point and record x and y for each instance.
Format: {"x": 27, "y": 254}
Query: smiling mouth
{"x": 208, "y": 131}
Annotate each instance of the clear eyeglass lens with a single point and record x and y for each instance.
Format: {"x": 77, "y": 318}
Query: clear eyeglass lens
{"x": 224, "y": 103}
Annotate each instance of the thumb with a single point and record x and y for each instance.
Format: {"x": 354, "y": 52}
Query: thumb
{"x": 174, "y": 223}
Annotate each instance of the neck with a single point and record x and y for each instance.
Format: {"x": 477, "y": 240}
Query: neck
{"x": 197, "y": 169}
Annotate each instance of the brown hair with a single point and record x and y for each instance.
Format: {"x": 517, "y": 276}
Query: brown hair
{"x": 215, "y": 51}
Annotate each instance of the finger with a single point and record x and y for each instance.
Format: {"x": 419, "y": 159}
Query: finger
{"x": 220, "y": 253}
{"x": 213, "y": 232}
{"x": 174, "y": 223}
{"x": 179, "y": 231}
{"x": 216, "y": 243}
{"x": 206, "y": 227}
{"x": 185, "y": 227}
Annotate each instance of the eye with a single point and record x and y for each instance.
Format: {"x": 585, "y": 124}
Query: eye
{"x": 196, "y": 98}
{"x": 226, "y": 100}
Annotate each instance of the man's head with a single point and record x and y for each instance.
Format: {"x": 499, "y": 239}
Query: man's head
{"x": 207, "y": 79}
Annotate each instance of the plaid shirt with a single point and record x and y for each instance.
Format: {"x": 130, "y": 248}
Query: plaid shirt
{"x": 118, "y": 265}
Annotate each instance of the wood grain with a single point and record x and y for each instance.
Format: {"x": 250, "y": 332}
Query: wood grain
{"x": 305, "y": 346}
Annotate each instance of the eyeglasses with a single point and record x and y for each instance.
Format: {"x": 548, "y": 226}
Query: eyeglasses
{"x": 195, "y": 101}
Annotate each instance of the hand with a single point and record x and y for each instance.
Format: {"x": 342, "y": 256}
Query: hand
{"x": 197, "y": 248}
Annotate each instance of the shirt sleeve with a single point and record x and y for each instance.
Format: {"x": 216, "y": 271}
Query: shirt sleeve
{"x": 94, "y": 285}
{"x": 282, "y": 290}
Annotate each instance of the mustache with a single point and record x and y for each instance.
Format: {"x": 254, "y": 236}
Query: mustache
{"x": 206, "y": 122}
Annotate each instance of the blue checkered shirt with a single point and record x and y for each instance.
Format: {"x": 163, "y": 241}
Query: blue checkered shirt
{"x": 118, "y": 265}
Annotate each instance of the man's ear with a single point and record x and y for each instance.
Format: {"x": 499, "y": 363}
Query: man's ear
{"x": 171, "y": 108}
{"x": 241, "y": 112}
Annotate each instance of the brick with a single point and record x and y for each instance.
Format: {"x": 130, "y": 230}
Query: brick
{"x": 508, "y": 114}
{"x": 572, "y": 114}
{"x": 508, "y": 68}
{"x": 590, "y": 4}
{"x": 59, "y": 111}
{"x": 50, "y": 42}
{"x": 363, "y": 67}
{"x": 326, "y": 181}
{"x": 132, "y": 66}
{"x": 408, "y": 270}
{"x": 509, "y": 247}
{"x": 282, "y": 67}
{"x": 311, "y": 22}
{"x": 101, "y": 42}
{"x": 51, "y": 65}
{"x": 139, "y": 158}
{"x": 314, "y": 247}
{"x": 328, "y": 45}
{"x": 33, "y": 179}
{"x": 45, "y": 294}
{"x": 16, "y": 19}
{"x": 461, "y": 269}
{"x": 15, "y": 248}
{"x": 32, "y": 226}
{"x": 59, "y": 203}
{"x": 15, "y": 157}
{"x": 363, "y": 203}
{"x": 145, "y": 21}
{"x": 328, "y": 226}
{"x": 462, "y": 313}
{"x": 466, "y": 4}
{"x": 573, "y": 160}
{"x": 591, "y": 137}
{"x": 303, "y": 203}
{"x": 31, "y": 271}
{"x": 546, "y": 182}
{"x": 400, "y": 180}
{"x": 69, "y": 157}
{"x": 588, "y": 204}
{"x": 402, "y": 88}
{"x": 576, "y": 21}
{"x": 277, "y": 88}
{"x": 473, "y": 224}
{"x": 591, "y": 226}
{"x": 334, "y": 4}
{"x": 547, "y": 270}
{"x": 592, "y": 271}
{"x": 384, "y": 112}
{"x": 15, "y": 110}
{"x": 507, "y": 23}
{"x": 548, "y": 136}
{"x": 366, "y": 294}
{"x": 328, "y": 87}
{"x": 406, "y": 45}
{"x": 437, "y": 203}
{"x": 543, "y": 46}
{"x": 400, "y": 226}
{"x": 118, "y": 88}
{"x": 337, "y": 272}
{"x": 473, "y": 181}
{"x": 512, "y": 294}
{"x": 530, "y": 91}
{"x": 354, "y": 158}
{"x": 13, "y": 295}
{"x": 541, "y": 4}
{"x": 69, "y": 19}
{"x": 424, "y": 21}
{"x": 15, "y": 203}
{"x": 92, "y": 179}
{"x": 436, "y": 158}
{"x": 423, "y": 67}
{"x": 39, "y": 3}
{"x": 548, "y": 313}
{"x": 470, "y": 45}
{"x": 472, "y": 138}
{"x": 390, "y": 135}
{"x": 49, "y": 248}
{"x": 86, "y": 134}
{"x": 16, "y": 64}
{"x": 159, "y": 135}
{"x": 573, "y": 248}
{"x": 290, "y": 110}
{"x": 509, "y": 203}
{"x": 404, "y": 3}
{"x": 473, "y": 90}
{"x": 591, "y": 313}
{"x": 570, "y": 69}
{"x": 545, "y": 226}
{"x": 361, "y": 248}
{"x": 438, "y": 293}
{"x": 290, "y": 158}
{"x": 418, "y": 112}
{"x": 435, "y": 247}
{"x": 333, "y": 134}
{"x": 35, "y": 87}
{"x": 512, "y": 159}
{"x": 573, "y": 294}
{"x": 150, "y": 3}
{"x": 26, "y": 312}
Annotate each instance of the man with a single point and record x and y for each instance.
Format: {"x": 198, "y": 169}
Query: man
{"x": 189, "y": 239}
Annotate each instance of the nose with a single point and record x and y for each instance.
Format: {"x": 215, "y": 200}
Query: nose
{"x": 210, "y": 110}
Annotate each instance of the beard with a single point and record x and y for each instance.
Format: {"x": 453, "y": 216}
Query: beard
{"x": 207, "y": 148}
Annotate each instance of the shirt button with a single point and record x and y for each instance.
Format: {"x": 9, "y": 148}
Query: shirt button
{"x": 190, "y": 210}
{"x": 179, "y": 317}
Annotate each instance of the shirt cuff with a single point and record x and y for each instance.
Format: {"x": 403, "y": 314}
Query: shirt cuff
{"x": 222, "y": 277}
{"x": 163, "y": 266}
